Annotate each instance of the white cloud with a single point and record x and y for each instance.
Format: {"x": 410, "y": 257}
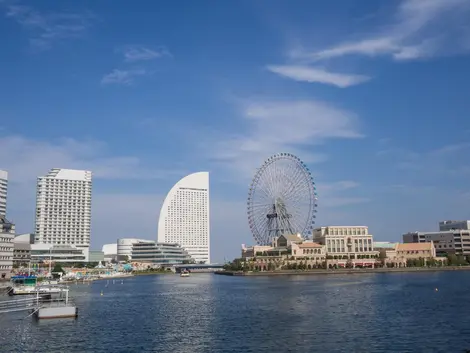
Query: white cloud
{"x": 312, "y": 74}
{"x": 47, "y": 28}
{"x": 122, "y": 77}
{"x": 421, "y": 29}
{"x": 272, "y": 126}
{"x": 141, "y": 53}
{"x": 25, "y": 159}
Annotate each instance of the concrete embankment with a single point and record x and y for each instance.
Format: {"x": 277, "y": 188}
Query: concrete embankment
{"x": 343, "y": 271}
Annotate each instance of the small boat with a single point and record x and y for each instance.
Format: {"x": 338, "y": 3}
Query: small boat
{"x": 184, "y": 273}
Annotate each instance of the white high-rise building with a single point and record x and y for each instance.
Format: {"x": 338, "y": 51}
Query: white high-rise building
{"x": 63, "y": 209}
{"x": 184, "y": 217}
{"x": 3, "y": 192}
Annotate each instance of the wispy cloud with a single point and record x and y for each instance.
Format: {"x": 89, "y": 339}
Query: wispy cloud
{"x": 421, "y": 29}
{"x": 47, "y": 28}
{"x": 271, "y": 126}
{"x": 141, "y": 53}
{"x": 27, "y": 158}
{"x": 122, "y": 77}
{"x": 442, "y": 161}
{"x": 312, "y": 74}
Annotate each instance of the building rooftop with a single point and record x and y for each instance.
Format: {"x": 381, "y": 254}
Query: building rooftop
{"x": 309, "y": 245}
{"x": 69, "y": 174}
{"x": 414, "y": 246}
{"x": 292, "y": 237}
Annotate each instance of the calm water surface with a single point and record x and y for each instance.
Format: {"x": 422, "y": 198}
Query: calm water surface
{"x": 209, "y": 313}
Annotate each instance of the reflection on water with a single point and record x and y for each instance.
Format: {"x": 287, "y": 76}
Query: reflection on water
{"x": 208, "y": 313}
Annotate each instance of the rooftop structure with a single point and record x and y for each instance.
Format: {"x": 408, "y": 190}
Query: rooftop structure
{"x": 63, "y": 208}
{"x": 184, "y": 216}
{"x": 454, "y": 225}
{"x": 384, "y": 245}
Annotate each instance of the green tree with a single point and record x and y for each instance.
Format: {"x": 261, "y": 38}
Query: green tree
{"x": 56, "y": 270}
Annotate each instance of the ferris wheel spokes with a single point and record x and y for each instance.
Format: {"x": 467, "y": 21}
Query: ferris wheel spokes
{"x": 281, "y": 199}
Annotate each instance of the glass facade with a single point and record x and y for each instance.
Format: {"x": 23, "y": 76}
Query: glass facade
{"x": 160, "y": 253}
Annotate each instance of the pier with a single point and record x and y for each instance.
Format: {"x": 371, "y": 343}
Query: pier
{"x": 42, "y": 306}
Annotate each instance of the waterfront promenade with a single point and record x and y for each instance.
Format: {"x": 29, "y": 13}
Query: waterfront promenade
{"x": 342, "y": 271}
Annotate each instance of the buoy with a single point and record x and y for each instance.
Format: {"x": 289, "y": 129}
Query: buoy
{"x": 101, "y": 292}
{"x": 437, "y": 289}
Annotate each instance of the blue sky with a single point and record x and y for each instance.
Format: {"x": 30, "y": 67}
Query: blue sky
{"x": 373, "y": 96}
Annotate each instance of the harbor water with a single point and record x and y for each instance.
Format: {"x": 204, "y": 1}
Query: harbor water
{"x": 400, "y": 312}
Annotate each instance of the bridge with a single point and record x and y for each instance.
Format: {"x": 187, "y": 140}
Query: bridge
{"x": 198, "y": 267}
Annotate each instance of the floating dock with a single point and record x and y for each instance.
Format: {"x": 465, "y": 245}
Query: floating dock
{"x": 42, "y": 307}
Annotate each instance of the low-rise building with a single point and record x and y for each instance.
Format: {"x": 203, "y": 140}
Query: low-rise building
{"x": 44, "y": 253}
{"x": 447, "y": 242}
{"x": 287, "y": 251}
{"x": 159, "y": 253}
{"x": 124, "y": 247}
{"x": 7, "y": 234}
{"x": 312, "y": 253}
{"x": 403, "y": 253}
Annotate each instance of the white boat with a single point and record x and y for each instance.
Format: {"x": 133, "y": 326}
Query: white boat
{"x": 184, "y": 273}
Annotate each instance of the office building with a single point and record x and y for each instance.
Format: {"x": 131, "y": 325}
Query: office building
{"x": 454, "y": 225}
{"x": 124, "y": 248}
{"x": 184, "y": 216}
{"x": 63, "y": 209}
{"x": 3, "y": 192}
{"x": 7, "y": 234}
{"x": 160, "y": 253}
{"x": 445, "y": 242}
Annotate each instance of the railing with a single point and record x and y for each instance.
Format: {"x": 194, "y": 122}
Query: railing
{"x": 34, "y": 304}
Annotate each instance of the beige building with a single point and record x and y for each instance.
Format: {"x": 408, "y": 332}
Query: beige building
{"x": 399, "y": 256}
{"x": 308, "y": 251}
{"x": 347, "y": 245}
{"x": 285, "y": 251}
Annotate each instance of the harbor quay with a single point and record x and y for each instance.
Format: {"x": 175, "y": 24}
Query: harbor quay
{"x": 340, "y": 271}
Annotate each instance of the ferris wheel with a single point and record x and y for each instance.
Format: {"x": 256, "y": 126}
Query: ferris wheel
{"x": 282, "y": 199}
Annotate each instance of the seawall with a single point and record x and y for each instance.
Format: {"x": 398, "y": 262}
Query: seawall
{"x": 343, "y": 271}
